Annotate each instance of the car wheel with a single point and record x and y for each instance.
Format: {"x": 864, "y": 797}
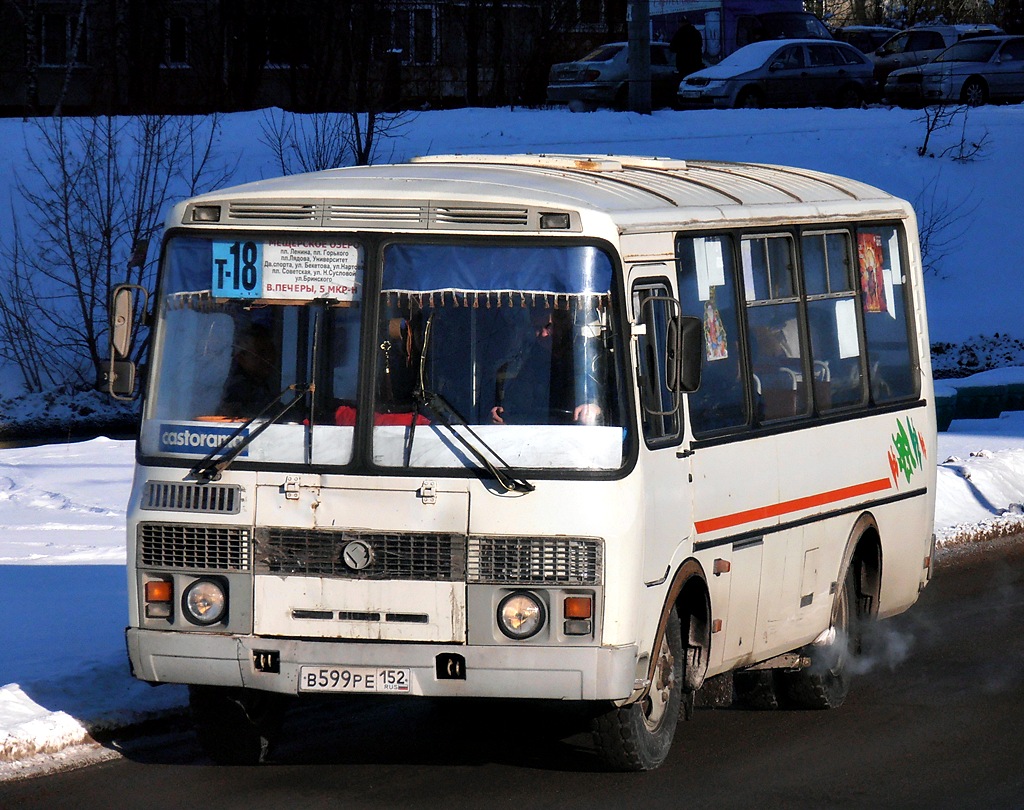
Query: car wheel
{"x": 849, "y": 96}
{"x": 750, "y": 99}
{"x": 622, "y": 97}
{"x": 974, "y": 92}
{"x": 578, "y": 105}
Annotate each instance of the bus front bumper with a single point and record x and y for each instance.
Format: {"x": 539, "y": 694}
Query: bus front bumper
{"x": 434, "y": 670}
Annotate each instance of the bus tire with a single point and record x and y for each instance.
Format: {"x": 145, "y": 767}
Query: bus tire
{"x": 826, "y": 682}
{"x": 235, "y": 726}
{"x": 638, "y": 736}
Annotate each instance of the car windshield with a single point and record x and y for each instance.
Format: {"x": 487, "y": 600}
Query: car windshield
{"x": 748, "y": 57}
{"x": 968, "y": 51}
{"x": 895, "y": 45}
{"x": 603, "y": 54}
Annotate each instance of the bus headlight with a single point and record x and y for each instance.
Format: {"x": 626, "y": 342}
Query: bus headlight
{"x": 521, "y": 615}
{"x": 205, "y": 601}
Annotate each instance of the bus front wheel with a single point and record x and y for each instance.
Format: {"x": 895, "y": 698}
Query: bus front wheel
{"x": 235, "y": 726}
{"x": 638, "y": 736}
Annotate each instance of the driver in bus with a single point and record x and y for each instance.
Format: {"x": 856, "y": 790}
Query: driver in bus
{"x": 253, "y": 380}
{"x": 536, "y": 385}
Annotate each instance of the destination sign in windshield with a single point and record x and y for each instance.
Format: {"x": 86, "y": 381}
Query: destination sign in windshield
{"x": 287, "y": 269}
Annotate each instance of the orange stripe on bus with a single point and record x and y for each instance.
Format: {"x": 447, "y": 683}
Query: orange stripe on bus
{"x": 795, "y": 505}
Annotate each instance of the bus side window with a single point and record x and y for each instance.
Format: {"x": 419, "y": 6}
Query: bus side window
{"x": 781, "y": 379}
{"x": 884, "y": 302}
{"x": 707, "y": 290}
{"x": 832, "y": 320}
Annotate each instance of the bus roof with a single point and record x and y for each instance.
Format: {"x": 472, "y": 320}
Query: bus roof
{"x": 509, "y": 192}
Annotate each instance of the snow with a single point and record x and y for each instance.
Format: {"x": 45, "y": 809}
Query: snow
{"x": 63, "y": 585}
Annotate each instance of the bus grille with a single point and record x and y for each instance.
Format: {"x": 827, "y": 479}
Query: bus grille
{"x": 177, "y": 545}
{"x": 173, "y": 496}
{"x": 361, "y": 555}
{"x": 534, "y": 560}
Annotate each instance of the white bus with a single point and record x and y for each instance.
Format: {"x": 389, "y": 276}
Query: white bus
{"x": 546, "y": 427}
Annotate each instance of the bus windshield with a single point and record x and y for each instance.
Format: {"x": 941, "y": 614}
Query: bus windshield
{"x": 517, "y": 344}
{"x": 510, "y": 346}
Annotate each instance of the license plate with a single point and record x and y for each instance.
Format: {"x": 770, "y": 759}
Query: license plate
{"x": 689, "y": 93}
{"x": 354, "y": 679}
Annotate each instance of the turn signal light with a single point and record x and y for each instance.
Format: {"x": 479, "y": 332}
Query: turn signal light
{"x": 159, "y": 590}
{"x": 578, "y": 612}
{"x": 578, "y": 607}
{"x": 159, "y": 595}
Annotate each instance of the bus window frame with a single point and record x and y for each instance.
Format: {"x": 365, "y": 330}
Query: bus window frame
{"x": 813, "y": 415}
{"x": 374, "y": 244}
{"x": 661, "y": 290}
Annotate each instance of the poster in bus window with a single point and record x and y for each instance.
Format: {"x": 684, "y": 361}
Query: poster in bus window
{"x": 715, "y": 343}
{"x": 872, "y": 275}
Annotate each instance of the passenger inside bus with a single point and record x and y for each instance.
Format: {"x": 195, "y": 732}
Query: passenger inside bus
{"x": 775, "y": 357}
{"x": 536, "y": 385}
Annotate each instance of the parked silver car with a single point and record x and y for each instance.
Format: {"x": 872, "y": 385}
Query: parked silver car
{"x": 921, "y": 44}
{"x": 783, "y": 73}
{"x": 601, "y": 78}
{"x": 974, "y": 71}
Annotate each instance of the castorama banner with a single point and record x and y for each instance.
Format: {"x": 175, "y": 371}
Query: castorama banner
{"x": 197, "y": 439}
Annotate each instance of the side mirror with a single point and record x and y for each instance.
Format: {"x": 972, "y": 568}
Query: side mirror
{"x": 122, "y": 320}
{"x": 774, "y": 66}
{"x": 691, "y": 343}
{"x": 119, "y": 377}
{"x": 684, "y": 339}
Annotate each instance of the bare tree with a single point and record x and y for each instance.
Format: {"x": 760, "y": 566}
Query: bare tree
{"x": 309, "y": 143}
{"x": 939, "y": 117}
{"x": 91, "y": 200}
{"x": 942, "y": 224}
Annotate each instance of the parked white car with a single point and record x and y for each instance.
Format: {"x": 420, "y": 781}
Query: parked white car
{"x": 974, "y": 71}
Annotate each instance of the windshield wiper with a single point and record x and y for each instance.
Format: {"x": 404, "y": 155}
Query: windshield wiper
{"x": 220, "y": 458}
{"x": 442, "y": 410}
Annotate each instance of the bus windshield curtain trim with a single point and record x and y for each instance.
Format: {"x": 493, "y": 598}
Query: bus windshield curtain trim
{"x": 561, "y": 271}
{"x": 488, "y": 299}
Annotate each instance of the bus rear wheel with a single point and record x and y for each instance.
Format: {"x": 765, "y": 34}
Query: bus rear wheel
{"x": 826, "y": 682}
{"x": 235, "y": 726}
{"x": 638, "y": 736}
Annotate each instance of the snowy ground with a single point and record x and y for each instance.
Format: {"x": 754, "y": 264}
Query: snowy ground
{"x": 63, "y": 669}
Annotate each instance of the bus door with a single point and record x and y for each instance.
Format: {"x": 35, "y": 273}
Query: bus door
{"x": 665, "y": 470}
